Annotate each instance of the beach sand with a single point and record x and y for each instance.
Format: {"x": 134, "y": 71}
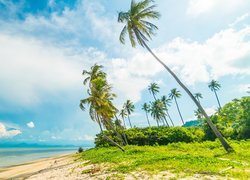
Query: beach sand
{"x": 66, "y": 167}
{"x": 23, "y": 171}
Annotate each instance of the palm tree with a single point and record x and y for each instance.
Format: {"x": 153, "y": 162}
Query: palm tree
{"x": 123, "y": 115}
{"x": 215, "y": 86}
{"x": 101, "y": 108}
{"x": 94, "y": 72}
{"x": 157, "y": 111}
{"x": 153, "y": 89}
{"x": 173, "y": 95}
{"x": 166, "y": 101}
{"x": 146, "y": 108}
{"x": 198, "y": 96}
{"x": 140, "y": 30}
{"x": 129, "y": 106}
{"x": 198, "y": 114}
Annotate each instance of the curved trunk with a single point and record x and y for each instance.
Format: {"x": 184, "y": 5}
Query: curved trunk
{"x": 129, "y": 121}
{"x": 217, "y": 100}
{"x": 170, "y": 118}
{"x": 227, "y": 147}
{"x": 154, "y": 96}
{"x": 147, "y": 119}
{"x": 124, "y": 123}
{"x": 166, "y": 121}
{"x": 157, "y": 123}
{"x": 179, "y": 110}
{"x": 106, "y": 137}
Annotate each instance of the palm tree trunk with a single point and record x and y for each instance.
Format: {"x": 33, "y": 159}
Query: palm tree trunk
{"x": 123, "y": 136}
{"x": 179, "y": 110}
{"x": 154, "y": 96}
{"x": 147, "y": 119}
{"x": 166, "y": 121}
{"x": 106, "y": 137}
{"x": 224, "y": 143}
{"x": 217, "y": 100}
{"x": 170, "y": 118}
{"x": 124, "y": 123}
{"x": 157, "y": 123}
{"x": 129, "y": 121}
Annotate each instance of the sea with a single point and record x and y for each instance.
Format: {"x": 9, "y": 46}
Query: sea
{"x": 14, "y": 156}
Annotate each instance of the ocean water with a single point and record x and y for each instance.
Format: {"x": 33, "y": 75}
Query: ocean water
{"x": 15, "y": 156}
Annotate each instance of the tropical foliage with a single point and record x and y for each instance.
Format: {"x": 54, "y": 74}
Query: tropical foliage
{"x": 140, "y": 31}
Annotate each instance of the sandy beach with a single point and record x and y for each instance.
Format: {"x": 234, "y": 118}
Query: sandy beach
{"x": 26, "y": 170}
{"x": 66, "y": 167}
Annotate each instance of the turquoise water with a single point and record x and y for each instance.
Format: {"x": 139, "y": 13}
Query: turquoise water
{"x": 15, "y": 156}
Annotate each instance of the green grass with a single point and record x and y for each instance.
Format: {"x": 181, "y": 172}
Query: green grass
{"x": 180, "y": 158}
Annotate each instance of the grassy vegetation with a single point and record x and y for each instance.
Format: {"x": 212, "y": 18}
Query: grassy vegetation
{"x": 180, "y": 158}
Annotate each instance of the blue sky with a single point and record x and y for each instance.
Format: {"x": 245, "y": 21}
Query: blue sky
{"x": 45, "y": 45}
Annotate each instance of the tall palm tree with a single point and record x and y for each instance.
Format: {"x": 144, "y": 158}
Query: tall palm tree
{"x": 123, "y": 114}
{"x": 198, "y": 96}
{"x": 140, "y": 31}
{"x": 153, "y": 89}
{"x": 166, "y": 101}
{"x": 157, "y": 111}
{"x": 146, "y": 108}
{"x": 94, "y": 72}
{"x": 215, "y": 86}
{"x": 129, "y": 106}
{"x": 173, "y": 95}
{"x": 101, "y": 108}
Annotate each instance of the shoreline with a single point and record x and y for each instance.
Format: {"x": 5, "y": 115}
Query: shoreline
{"x": 28, "y": 169}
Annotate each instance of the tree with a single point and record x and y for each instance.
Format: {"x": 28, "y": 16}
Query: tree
{"x": 101, "y": 108}
{"x": 153, "y": 89}
{"x": 140, "y": 31}
{"x": 166, "y": 101}
{"x": 146, "y": 108}
{"x": 198, "y": 114}
{"x": 173, "y": 95}
{"x": 157, "y": 111}
{"x": 215, "y": 86}
{"x": 129, "y": 106}
{"x": 123, "y": 115}
{"x": 198, "y": 96}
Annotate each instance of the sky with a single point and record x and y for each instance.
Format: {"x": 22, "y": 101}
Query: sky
{"x": 46, "y": 44}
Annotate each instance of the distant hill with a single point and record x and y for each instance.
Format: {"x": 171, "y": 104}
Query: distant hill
{"x": 193, "y": 123}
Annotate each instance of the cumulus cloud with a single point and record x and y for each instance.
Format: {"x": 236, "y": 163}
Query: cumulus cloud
{"x": 243, "y": 88}
{"x": 197, "y": 7}
{"x": 30, "y": 124}
{"x": 4, "y": 133}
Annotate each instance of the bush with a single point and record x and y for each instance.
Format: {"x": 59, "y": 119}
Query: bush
{"x": 80, "y": 149}
{"x": 155, "y": 136}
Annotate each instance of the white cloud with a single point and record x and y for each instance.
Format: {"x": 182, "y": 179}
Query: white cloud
{"x": 198, "y": 7}
{"x": 34, "y": 69}
{"x": 240, "y": 19}
{"x": 210, "y": 111}
{"x": 243, "y": 88}
{"x": 30, "y": 124}
{"x": 4, "y": 133}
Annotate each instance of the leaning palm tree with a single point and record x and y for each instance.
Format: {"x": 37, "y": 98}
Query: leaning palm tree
{"x": 198, "y": 96}
{"x": 129, "y": 106}
{"x": 174, "y": 94}
{"x": 146, "y": 108}
{"x": 101, "y": 108}
{"x": 215, "y": 86}
{"x": 153, "y": 89}
{"x": 166, "y": 101}
{"x": 140, "y": 31}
